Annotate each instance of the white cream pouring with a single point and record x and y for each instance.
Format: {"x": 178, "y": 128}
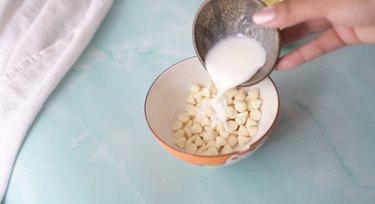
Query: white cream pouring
{"x": 231, "y": 62}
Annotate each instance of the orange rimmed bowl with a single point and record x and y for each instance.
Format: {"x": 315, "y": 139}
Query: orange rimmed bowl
{"x": 166, "y": 99}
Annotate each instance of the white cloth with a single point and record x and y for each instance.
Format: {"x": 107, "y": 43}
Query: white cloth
{"x": 39, "y": 41}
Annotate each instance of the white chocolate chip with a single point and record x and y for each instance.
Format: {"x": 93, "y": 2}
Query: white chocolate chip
{"x": 243, "y": 115}
{"x": 189, "y": 140}
{"x": 255, "y": 103}
{"x": 209, "y": 136}
{"x": 211, "y": 143}
{"x": 230, "y": 101}
{"x": 243, "y": 140}
{"x": 224, "y": 134}
{"x": 211, "y": 87}
{"x": 191, "y": 100}
{"x": 213, "y": 151}
{"x": 226, "y": 149}
{"x": 209, "y": 128}
{"x": 177, "y": 125}
{"x": 249, "y": 108}
{"x": 184, "y": 118}
{"x": 206, "y": 121}
{"x": 220, "y": 128}
{"x": 230, "y": 112}
{"x": 179, "y": 134}
{"x": 190, "y": 147}
{"x": 191, "y": 110}
{"x": 240, "y": 95}
{"x": 253, "y": 94}
{"x": 242, "y": 131}
{"x": 205, "y": 92}
{"x": 202, "y": 133}
{"x": 240, "y": 121}
{"x": 220, "y": 142}
{"x": 196, "y": 128}
{"x": 240, "y": 106}
{"x": 180, "y": 142}
{"x": 198, "y": 142}
{"x": 232, "y": 93}
{"x": 252, "y": 130}
{"x": 188, "y": 124}
{"x": 198, "y": 97}
{"x": 232, "y": 140}
{"x": 187, "y": 132}
{"x": 198, "y": 119}
{"x": 195, "y": 88}
{"x": 251, "y": 122}
{"x": 193, "y": 138}
{"x": 202, "y": 149}
{"x": 255, "y": 115}
{"x": 232, "y": 125}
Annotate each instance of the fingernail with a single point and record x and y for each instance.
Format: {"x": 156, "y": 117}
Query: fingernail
{"x": 264, "y": 16}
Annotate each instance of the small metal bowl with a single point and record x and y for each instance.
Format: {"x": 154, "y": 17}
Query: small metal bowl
{"x": 218, "y": 19}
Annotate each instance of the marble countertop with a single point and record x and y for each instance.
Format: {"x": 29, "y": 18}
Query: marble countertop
{"x": 90, "y": 143}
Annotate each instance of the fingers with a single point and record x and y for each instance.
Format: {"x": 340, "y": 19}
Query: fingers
{"x": 343, "y": 12}
{"x": 291, "y": 12}
{"x": 302, "y": 30}
{"x": 327, "y": 41}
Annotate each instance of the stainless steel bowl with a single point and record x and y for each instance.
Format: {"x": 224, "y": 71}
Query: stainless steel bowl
{"x": 219, "y": 19}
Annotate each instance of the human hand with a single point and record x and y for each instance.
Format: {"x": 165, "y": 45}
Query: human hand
{"x": 341, "y": 23}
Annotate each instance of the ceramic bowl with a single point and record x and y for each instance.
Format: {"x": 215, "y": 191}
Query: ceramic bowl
{"x": 217, "y": 19}
{"x": 166, "y": 99}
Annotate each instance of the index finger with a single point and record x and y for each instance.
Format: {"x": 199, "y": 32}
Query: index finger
{"x": 292, "y": 12}
{"x": 327, "y": 41}
{"x": 299, "y": 31}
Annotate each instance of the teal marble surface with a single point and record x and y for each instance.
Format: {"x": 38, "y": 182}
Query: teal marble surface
{"x": 90, "y": 143}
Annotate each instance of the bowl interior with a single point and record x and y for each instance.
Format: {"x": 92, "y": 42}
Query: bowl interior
{"x": 167, "y": 98}
{"x": 219, "y": 19}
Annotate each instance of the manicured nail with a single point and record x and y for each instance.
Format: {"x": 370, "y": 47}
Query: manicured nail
{"x": 264, "y": 16}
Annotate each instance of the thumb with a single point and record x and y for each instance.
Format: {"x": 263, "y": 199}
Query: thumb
{"x": 291, "y": 12}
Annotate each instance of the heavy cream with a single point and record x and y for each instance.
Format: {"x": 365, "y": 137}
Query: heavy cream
{"x": 231, "y": 62}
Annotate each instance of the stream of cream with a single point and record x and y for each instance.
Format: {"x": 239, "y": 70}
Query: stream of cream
{"x": 231, "y": 62}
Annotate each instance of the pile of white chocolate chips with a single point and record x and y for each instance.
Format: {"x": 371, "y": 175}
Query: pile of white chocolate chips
{"x": 197, "y": 133}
